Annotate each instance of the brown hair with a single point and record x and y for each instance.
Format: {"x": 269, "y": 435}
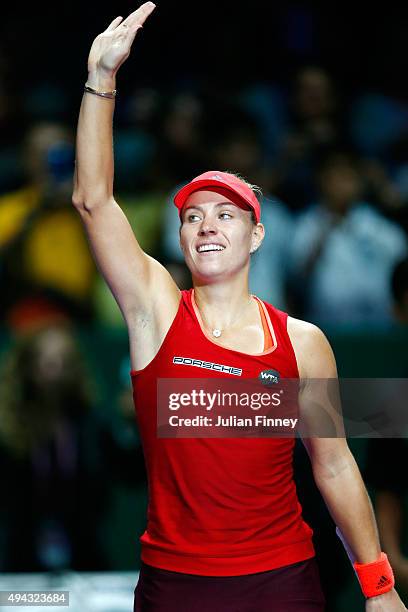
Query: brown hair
{"x": 255, "y": 188}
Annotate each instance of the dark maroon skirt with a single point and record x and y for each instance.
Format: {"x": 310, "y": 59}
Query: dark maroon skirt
{"x": 293, "y": 588}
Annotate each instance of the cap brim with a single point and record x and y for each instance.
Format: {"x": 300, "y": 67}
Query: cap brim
{"x": 211, "y": 185}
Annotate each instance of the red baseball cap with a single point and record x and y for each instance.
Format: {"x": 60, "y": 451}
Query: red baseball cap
{"x": 224, "y": 183}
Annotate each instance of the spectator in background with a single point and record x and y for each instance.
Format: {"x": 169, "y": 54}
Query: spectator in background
{"x": 44, "y": 256}
{"x": 397, "y": 171}
{"x": 316, "y": 123}
{"x": 378, "y": 125}
{"x": 232, "y": 140}
{"x": 267, "y": 104}
{"x": 377, "y": 122}
{"x": 399, "y": 287}
{"x": 136, "y": 138}
{"x": 59, "y": 457}
{"x": 343, "y": 251}
{"x": 180, "y": 153}
{"x": 52, "y": 462}
{"x": 382, "y": 189}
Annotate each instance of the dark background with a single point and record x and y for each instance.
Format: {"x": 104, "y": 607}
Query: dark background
{"x": 224, "y": 44}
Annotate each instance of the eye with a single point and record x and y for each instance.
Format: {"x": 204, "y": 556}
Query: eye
{"x": 225, "y": 215}
{"x": 193, "y": 217}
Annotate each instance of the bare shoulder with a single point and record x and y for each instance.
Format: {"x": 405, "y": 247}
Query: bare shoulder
{"x": 314, "y": 355}
{"x": 306, "y": 337}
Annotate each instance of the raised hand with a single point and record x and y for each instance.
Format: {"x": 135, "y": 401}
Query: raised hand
{"x": 112, "y": 47}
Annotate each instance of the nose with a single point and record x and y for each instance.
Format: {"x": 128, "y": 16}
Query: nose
{"x": 207, "y": 227}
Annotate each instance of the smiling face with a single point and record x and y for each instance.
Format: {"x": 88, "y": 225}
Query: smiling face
{"x": 217, "y": 236}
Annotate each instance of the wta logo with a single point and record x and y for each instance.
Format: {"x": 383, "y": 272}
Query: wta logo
{"x": 269, "y": 377}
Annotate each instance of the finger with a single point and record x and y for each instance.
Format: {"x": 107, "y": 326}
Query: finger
{"x": 114, "y": 24}
{"x": 139, "y": 16}
{"x": 133, "y": 31}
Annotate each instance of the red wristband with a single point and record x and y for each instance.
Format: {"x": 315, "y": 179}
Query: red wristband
{"x": 375, "y": 578}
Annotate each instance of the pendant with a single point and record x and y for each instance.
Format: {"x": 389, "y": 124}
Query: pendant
{"x": 216, "y": 333}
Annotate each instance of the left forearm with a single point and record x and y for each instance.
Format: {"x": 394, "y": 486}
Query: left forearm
{"x": 348, "y": 502}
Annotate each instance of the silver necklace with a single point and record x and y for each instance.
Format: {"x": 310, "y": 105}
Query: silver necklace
{"x": 216, "y": 332}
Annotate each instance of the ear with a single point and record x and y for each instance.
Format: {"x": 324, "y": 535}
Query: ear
{"x": 258, "y": 234}
{"x": 181, "y": 246}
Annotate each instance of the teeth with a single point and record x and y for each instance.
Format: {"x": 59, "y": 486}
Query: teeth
{"x": 210, "y": 247}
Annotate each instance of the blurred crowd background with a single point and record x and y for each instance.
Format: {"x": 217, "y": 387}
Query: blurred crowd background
{"x": 311, "y": 105}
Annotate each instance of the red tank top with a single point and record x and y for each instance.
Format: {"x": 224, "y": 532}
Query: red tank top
{"x": 218, "y": 507}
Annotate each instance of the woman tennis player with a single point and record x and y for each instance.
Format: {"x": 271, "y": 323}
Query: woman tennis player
{"x": 225, "y": 531}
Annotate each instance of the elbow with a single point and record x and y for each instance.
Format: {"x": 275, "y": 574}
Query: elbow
{"x": 78, "y": 201}
{"x": 81, "y": 204}
{"x": 84, "y": 204}
{"x": 332, "y": 467}
{"x": 89, "y": 195}
{"x": 78, "y": 195}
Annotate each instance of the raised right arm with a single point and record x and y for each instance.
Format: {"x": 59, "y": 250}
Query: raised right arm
{"x": 134, "y": 277}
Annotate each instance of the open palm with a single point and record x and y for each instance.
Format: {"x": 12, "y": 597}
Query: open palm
{"x": 112, "y": 47}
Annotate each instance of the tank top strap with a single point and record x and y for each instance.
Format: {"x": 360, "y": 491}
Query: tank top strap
{"x": 268, "y": 340}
